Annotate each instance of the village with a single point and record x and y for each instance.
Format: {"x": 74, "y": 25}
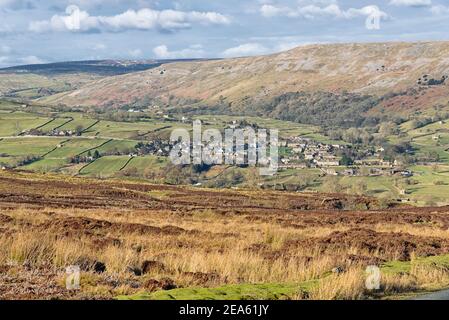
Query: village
{"x": 298, "y": 153}
{"x": 332, "y": 159}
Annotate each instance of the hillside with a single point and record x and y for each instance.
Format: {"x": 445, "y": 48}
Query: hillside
{"x": 99, "y": 67}
{"x": 413, "y": 72}
{"x": 37, "y": 80}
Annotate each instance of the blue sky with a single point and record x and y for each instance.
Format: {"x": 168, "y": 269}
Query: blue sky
{"x": 34, "y": 31}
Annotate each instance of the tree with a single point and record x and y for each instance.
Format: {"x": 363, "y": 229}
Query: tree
{"x": 346, "y": 160}
{"x": 79, "y": 130}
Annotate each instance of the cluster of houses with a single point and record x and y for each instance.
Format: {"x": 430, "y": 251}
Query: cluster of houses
{"x": 156, "y": 147}
{"x": 371, "y": 172}
{"x": 317, "y": 153}
{"x": 53, "y": 133}
{"x": 63, "y": 133}
{"x": 307, "y": 153}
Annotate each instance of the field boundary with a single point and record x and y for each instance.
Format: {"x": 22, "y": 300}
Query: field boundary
{"x": 70, "y": 120}
{"x": 55, "y": 148}
{"x": 97, "y": 147}
{"x": 218, "y": 175}
{"x": 127, "y": 163}
{"x": 429, "y": 134}
{"x": 154, "y": 131}
{"x": 21, "y": 134}
{"x": 85, "y": 166}
{"x": 91, "y": 126}
{"x": 43, "y": 125}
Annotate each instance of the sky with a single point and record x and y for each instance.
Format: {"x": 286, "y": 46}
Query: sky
{"x": 41, "y": 31}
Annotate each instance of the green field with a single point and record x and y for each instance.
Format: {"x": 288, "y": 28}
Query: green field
{"x": 430, "y": 128}
{"x": 424, "y": 149}
{"x": 82, "y": 123}
{"x": 75, "y": 147}
{"x": 46, "y": 165}
{"x": 57, "y": 122}
{"x": 116, "y": 146}
{"x": 6, "y": 106}
{"x": 147, "y": 162}
{"x": 123, "y": 130}
{"x": 433, "y": 183}
{"x": 28, "y": 146}
{"x": 430, "y": 139}
{"x": 428, "y": 186}
{"x": 105, "y": 166}
{"x": 13, "y": 124}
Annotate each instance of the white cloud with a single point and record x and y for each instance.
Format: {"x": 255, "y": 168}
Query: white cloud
{"x": 317, "y": 2}
{"x": 247, "y": 49}
{"x": 255, "y": 48}
{"x": 313, "y": 11}
{"x": 365, "y": 11}
{"x": 268, "y": 10}
{"x": 143, "y": 19}
{"x": 285, "y": 46}
{"x": 11, "y": 61}
{"x": 194, "y": 51}
{"x": 440, "y": 10}
{"x": 136, "y": 53}
{"x": 411, "y": 3}
{"x": 31, "y": 60}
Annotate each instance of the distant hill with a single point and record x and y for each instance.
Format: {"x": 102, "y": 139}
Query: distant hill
{"x": 97, "y": 67}
{"x": 396, "y": 77}
{"x": 40, "y": 80}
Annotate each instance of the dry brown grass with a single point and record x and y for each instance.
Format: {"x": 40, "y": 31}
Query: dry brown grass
{"x": 205, "y": 242}
{"x": 209, "y": 252}
{"x": 348, "y": 286}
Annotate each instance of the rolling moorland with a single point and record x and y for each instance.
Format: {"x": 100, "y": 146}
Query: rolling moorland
{"x": 144, "y": 241}
{"x": 34, "y": 81}
{"x": 364, "y": 176}
{"x": 379, "y": 70}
